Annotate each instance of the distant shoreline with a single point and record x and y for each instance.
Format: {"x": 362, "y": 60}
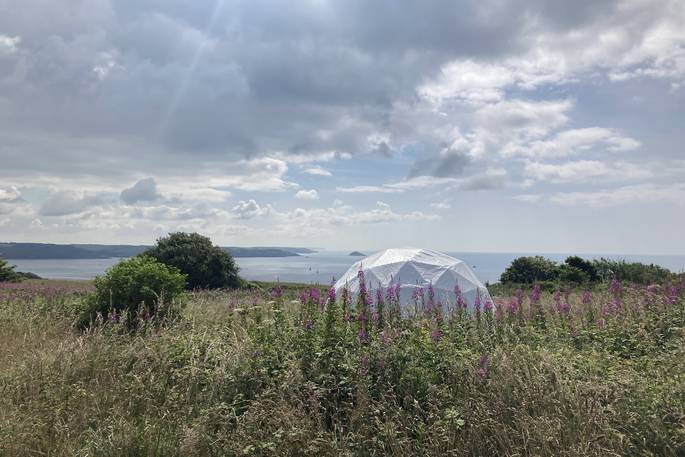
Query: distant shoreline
{"x": 48, "y": 251}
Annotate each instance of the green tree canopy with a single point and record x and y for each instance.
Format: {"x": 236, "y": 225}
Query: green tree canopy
{"x": 204, "y": 264}
{"x": 527, "y": 270}
{"x": 7, "y": 272}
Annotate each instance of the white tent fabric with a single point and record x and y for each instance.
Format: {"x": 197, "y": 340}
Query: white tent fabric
{"x": 416, "y": 269}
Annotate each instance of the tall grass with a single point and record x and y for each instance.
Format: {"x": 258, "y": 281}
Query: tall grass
{"x": 287, "y": 373}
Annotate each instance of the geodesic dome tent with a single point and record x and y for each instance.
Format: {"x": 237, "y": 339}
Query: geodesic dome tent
{"x": 414, "y": 270}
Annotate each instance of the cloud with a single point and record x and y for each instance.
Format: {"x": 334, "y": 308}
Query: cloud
{"x": 10, "y": 199}
{"x": 144, "y": 190}
{"x": 307, "y": 194}
{"x": 643, "y": 193}
{"x": 317, "y": 171}
{"x": 570, "y": 142}
{"x": 8, "y": 44}
{"x": 250, "y": 209}
{"x": 63, "y": 203}
{"x": 441, "y": 205}
{"x": 585, "y": 170}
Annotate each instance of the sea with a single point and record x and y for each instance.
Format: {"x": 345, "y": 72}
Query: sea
{"x": 323, "y": 266}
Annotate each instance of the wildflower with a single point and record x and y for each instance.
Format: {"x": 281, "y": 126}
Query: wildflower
{"x": 476, "y": 303}
{"x": 461, "y": 303}
{"x": 482, "y": 368}
{"x": 361, "y": 336}
{"x": 364, "y": 362}
{"x": 307, "y": 324}
{"x": 331, "y": 295}
{"x": 535, "y": 294}
{"x": 381, "y": 364}
{"x": 513, "y": 306}
{"x": 435, "y": 335}
{"x": 431, "y": 297}
{"x": 113, "y": 317}
{"x": 277, "y": 292}
{"x": 488, "y": 306}
{"x": 586, "y": 297}
{"x": 615, "y": 287}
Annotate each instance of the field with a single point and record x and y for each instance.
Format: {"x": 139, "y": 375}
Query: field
{"x": 300, "y": 372}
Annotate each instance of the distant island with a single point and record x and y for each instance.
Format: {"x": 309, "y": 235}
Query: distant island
{"x": 357, "y": 254}
{"x": 40, "y": 251}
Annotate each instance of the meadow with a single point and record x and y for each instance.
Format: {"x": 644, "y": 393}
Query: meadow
{"x": 298, "y": 371}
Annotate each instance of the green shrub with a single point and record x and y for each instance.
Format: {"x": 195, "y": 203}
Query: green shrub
{"x": 571, "y": 275}
{"x": 585, "y": 266}
{"x": 135, "y": 283}
{"x": 527, "y": 270}
{"x": 7, "y": 273}
{"x": 636, "y": 272}
{"x": 206, "y": 266}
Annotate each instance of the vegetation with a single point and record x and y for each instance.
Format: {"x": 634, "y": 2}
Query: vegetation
{"x": 7, "y": 272}
{"x": 577, "y": 271}
{"x": 598, "y": 372}
{"x": 139, "y": 285}
{"x": 205, "y": 265}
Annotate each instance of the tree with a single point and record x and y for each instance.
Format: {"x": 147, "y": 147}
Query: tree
{"x": 7, "y": 272}
{"x": 572, "y": 275}
{"x": 527, "y": 270}
{"x": 205, "y": 265}
{"x": 584, "y": 265}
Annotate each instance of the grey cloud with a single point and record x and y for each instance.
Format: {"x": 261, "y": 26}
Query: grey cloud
{"x": 144, "y": 190}
{"x": 449, "y": 164}
{"x": 64, "y": 203}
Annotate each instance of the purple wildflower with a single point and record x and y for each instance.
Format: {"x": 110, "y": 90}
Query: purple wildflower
{"x": 488, "y": 306}
{"x": 331, "y": 295}
{"x": 482, "y": 368}
{"x": 586, "y": 297}
{"x": 435, "y": 335}
{"x": 307, "y": 325}
{"x": 535, "y": 294}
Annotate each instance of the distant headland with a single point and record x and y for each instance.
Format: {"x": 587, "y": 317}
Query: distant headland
{"x": 105, "y": 251}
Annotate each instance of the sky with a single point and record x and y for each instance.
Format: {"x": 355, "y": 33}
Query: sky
{"x": 490, "y": 125}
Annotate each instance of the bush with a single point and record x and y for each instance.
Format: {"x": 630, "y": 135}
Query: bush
{"x": 7, "y": 273}
{"x": 527, "y": 270}
{"x": 636, "y": 272}
{"x": 584, "y": 265}
{"x": 571, "y": 275}
{"x": 206, "y": 266}
{"x": 135, "y": 283}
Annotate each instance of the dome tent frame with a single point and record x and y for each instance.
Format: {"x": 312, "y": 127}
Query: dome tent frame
{"x": 415, "y": 270}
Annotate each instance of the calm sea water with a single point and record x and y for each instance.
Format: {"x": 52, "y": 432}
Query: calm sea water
{"x": 320, "y": 267}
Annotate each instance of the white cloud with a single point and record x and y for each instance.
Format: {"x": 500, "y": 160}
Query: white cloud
{"x": 528, "y": 198}
{"x": 307, "y": 194}
{"x": 8, "y": 44}
{"x": 10, "y": 199}
{"x": 317, "y": 171}
{"x": 571, "y": 142}
{"x": 642, "y": 193}
{"x": 584, "y": 170}
{"x": 250, "y": 209}
{"x": 265, "y": 174}
{"x": 441, "y": 205}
